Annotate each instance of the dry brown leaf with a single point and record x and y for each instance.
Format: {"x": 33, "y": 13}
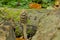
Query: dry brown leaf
{"x": 35, "y": 5}
{"x": 21, "y": 38}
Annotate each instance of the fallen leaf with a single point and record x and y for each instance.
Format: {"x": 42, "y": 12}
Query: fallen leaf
{"x": 35, "y": 5}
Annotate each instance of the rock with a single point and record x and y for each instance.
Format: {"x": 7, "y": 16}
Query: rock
{"x": 48, "y": 26}
{"x": 6, "y": 32}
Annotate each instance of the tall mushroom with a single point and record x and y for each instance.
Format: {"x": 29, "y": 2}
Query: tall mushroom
{"x": 23, "y": 21}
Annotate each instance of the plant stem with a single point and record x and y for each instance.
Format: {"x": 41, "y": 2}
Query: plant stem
{"x": 24, "y": 31}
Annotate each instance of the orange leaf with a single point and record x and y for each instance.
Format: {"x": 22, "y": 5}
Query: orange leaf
{"x": 21, "y": 38}
{"x": 35, "y": 5}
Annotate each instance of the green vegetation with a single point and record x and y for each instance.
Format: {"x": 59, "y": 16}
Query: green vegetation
{"x": 45, "y": 3}
{"x": 15, "y": 3}
{"x": 25, "y": 3}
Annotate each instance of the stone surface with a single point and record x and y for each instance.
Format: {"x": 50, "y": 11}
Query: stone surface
{"x": 49, "y": 27}
{"x": 6, "y": 32}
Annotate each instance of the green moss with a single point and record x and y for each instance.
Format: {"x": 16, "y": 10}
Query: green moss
{"x": 12, "y": 13}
